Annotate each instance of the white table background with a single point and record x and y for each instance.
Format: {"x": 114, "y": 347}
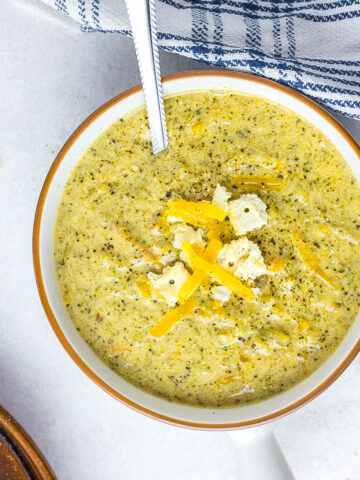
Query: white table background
{"x": 52, "y": 77}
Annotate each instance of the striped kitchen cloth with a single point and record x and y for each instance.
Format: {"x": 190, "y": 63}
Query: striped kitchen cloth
{"x": 311, "y": 45}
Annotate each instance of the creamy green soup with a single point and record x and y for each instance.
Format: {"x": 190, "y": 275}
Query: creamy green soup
{"x": 119, "y": 254}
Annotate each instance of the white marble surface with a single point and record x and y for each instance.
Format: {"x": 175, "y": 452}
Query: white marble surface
{"x": 52, "y": 77}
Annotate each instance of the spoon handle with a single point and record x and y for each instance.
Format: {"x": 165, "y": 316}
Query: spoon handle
{"x": 143, "y": 25}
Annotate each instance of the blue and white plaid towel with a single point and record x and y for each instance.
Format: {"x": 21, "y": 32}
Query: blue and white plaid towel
{"x": 311, "y": 45}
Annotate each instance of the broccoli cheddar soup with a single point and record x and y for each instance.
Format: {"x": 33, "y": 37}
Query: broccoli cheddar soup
{"x": 222, "y": 271}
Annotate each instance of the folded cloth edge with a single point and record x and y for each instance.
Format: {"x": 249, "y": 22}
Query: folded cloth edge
{"x": 225, "y": 34}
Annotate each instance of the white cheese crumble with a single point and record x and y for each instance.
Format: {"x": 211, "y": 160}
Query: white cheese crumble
{"x": 221, "y": 197}
{"x": 242, "y": 258}
{"x": 287, "y": 287}
{"x": 167, "y": 258}
{"x": 164, "y": 255}
{"x": 173, "y": 219}
{"x": 167, "y": 285}
{"x": 247, "y": 213}
{"x": 221, "y": 294}
{"x": 155, "y": 231}
{"x": 156, "y": 250}
{"x": 227, "y": 339}
{"x": 256, "y": 291}
{"x": 185, "y": 233}
{"x": 138, "y": 263}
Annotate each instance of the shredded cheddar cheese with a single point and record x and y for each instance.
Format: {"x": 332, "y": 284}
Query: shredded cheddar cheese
{"x": 197, "y": 220}
{"x": 252, "y": 183}
{"x": 213, "y": 234}
{"x": 217, "y": 308}
{"x": 310, "y": 261}
{"x": 276, "y": 265}
{"x": 144, "y": 287}
{"x": 224, "y": 382}
{"x": 277, "y": 311}
{"x": 173, "y": 317}
{"x": 224, "y": 277}
{"x": 197, "y": 128}
{"x": 132, "y": 241}
{"x": 195, "y": 280}
{"x": 192, "y": 283}
{"x": 202, "y": 208}
{"x": 199, "y": 249}
{"x": 303, "y": 324}
{"x": 206, "y": 284}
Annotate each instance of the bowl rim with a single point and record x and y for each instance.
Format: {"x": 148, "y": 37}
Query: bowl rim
{"x": 41, "y": 288}
{"x": 25, "y": 447}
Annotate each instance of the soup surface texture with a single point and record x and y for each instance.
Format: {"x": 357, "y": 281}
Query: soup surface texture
{"x": 127, "y": 244}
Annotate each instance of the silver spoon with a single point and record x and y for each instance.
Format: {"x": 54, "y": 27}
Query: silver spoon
{"x": 143, "y": 26}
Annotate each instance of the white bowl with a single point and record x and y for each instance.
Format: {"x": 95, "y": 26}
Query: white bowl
{"x": 81, "y": 353}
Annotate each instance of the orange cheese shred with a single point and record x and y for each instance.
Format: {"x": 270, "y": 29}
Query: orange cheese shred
{"x": 173, "y": 317}
{"x": 130, "y": 239}
{"x": 212, "y": 250}
{"x": 198, "y": 276}
{"x": 224, "y": 277}
{"x": 197, "y": 220}
{"x": 199, "y": 249}
{"x": 197, "y": 128}
{"x": 191, "y": 284}
{"x": 144, "y": 287}
{"x": 253, "y": 183}
{"x": 206, "y": 284}
{"x": 202, "y": 208}
{"x": 310, "y": 261}
{"x": 213, "y": 234}
{"x": 276, "y": 265}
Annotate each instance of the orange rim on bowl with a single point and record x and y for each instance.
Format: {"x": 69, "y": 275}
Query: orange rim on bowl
{"x": 51, "y": 317}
